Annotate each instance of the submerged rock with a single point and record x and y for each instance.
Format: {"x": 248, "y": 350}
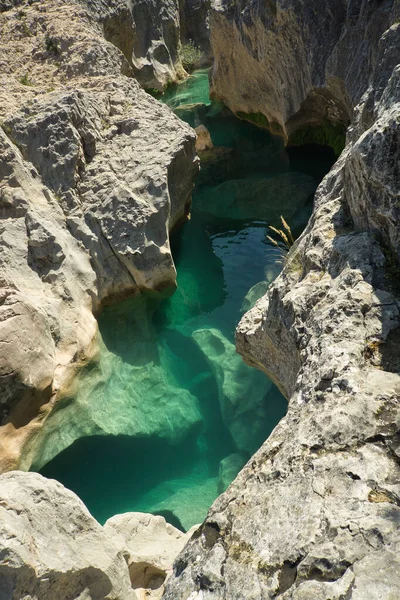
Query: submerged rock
{"x": 259, "y": 289}
{"x": 113, "y": 397}
{"x": 229, "y": 467}
{"x": 51, "y": 547}
{"x": 255, "y": 198}
{"x": 241, "y": 392}
{"x": 188, "y": 500}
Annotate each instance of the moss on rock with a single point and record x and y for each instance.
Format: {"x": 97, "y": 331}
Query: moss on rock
{"x": 327, "y": 134}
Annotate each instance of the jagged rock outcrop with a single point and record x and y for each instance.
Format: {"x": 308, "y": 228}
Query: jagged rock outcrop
{"x": 314, "y": 514}
{"x": 51, "y": 547}
{"x": 151, "y": 33}
{"x": 94, "y": 174}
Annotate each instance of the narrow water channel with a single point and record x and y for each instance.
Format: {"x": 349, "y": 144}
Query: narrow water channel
{"x": 169, "y": 414}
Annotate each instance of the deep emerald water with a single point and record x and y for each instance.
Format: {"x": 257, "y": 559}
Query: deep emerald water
{"x": 148, "y": 425}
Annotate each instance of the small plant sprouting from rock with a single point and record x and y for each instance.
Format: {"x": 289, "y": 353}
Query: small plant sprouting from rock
{"x": 286, "y": 239}
{"x": 52, "y": 46}
{"x": 189, "y": 54}
{"x": 286, "y": 246}
{"x": 25, "y": 80}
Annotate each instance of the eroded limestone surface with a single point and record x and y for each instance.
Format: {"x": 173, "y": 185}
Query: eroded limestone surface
{"x": 94, "y": 174}
{"x": 50, "y": 546}
{"x": 314, "y": 514}
{"x": 151, "y": 546}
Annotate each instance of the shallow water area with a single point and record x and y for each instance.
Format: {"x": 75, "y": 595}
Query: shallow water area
{"x": 167, "y": 416}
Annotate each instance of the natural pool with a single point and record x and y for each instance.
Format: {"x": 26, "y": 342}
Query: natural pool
{"x": 169, "y": 414}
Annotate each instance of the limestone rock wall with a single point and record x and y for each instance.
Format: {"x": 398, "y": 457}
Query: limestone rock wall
{"x": 314, "y": 513}
{"x": 289, "y": 61}
{"x": 94, "y": 173}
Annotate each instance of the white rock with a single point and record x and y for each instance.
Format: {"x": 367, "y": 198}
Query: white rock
{"x": 51, "y": 547}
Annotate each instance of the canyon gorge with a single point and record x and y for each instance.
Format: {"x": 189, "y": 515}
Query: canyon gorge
{"x": 228, "y": 415}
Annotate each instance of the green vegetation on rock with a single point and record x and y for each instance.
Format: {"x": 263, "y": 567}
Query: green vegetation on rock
{"x": 327, "y": 134}
{"x": 189, "y": 55}
{"x": 261, "y": 120}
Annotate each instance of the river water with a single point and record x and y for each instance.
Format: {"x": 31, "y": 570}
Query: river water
{"x": 169, "y": 414}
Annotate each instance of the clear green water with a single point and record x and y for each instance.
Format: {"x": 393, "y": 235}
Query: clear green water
{"x": 166, "y": 417}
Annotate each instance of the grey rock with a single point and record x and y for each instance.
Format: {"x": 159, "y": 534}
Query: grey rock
{"x": 155, "y": 56}
{"x": 51, "y": 547}
{"x": 292, "y": 58}
{"x": 313, "y": 515}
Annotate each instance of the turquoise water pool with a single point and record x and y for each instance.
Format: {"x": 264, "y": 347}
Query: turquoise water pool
{"x": 166, "y": 417}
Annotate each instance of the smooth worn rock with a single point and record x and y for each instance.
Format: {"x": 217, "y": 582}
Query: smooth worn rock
{"x": 114, "y": 397}
{"x": 241, "y": 392}
{"x": 188, "y": 500}
{"x": 94, "y": 174}
{"x": 156, "y": 41}
{"x": 204, "y": 141}
{"x": 314, "y": 514}
{"x": 229, "y": 467}
{"x": 151, "y": 546}
{"x": 51, "y": 547}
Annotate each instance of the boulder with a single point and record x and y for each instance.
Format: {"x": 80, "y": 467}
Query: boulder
{"x": 51, "y": 547}
{"x": 203, "y": 141}
{"x": 150, "y": 546}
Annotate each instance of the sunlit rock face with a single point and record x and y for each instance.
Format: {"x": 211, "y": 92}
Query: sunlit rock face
{"x": 94, "y": 175}
{"x": 313, "y": 515}
{"x": 52, "y": 547}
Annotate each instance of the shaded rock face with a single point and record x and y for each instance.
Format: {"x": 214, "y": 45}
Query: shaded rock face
{"x": 150, "y": 33}
{"x": 195, "y": 25}
{"x": 289, "y": 61}
{"x": 94, "y": 173}
{"x": 155, "y": 57}
{"x": 51, "y": 547}
{"x": 314, "y": 514}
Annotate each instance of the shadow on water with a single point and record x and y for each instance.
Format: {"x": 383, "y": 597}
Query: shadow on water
{"x": 168, "y": 415}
